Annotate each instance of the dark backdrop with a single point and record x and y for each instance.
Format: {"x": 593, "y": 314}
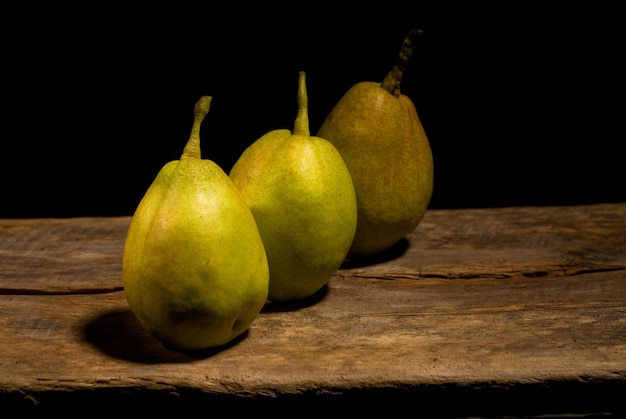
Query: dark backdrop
{"x": 521, "y": 104}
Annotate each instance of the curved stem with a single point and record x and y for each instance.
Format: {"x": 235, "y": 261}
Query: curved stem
{"x": 301, "y": 126}
{"x": 392, "y": 81}
{"x": 200, "y": 110}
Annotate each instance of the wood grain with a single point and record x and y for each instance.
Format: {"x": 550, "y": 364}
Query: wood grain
{"x": 495, "y": 310}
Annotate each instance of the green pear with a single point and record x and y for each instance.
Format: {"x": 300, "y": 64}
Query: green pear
{"x": 302, "y": 198}
{"x": 381, "y": 138}
{"x": 194, "y": 268}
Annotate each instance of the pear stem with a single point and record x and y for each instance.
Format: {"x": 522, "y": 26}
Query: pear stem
{"x": 301, "y": 126}
{"x": 392, "y": 81}
{"x": 200, "y": 110}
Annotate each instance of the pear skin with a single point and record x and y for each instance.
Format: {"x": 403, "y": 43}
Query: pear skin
{"x": 301, "y": 195}
{"x": 194, "y": 268}
{"x": 377, "y": 131}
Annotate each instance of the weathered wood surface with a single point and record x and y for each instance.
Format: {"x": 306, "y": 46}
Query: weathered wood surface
{"x": 479, "y": 307}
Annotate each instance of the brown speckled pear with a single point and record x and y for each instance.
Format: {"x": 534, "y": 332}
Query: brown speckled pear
{"x": 194, "y": 268}
{"x": 380, "y": 137}
{"x": 301, "y": 195}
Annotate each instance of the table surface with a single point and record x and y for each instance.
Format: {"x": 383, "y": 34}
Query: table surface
{"x": 487, "y": 311}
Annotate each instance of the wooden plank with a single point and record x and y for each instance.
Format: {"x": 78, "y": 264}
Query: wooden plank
{"x": 360, "y": 332}
{"x": 484, "y": 311}
{"x": 510, "y": 242}
{"x": 363, "y": 333}
{"x": 84, "y": 254}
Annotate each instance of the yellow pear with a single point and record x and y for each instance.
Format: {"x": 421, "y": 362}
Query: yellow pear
{"x": 194, "y": 268}
{"x": 380, "y": 137}
{"x": 302, "y": 198}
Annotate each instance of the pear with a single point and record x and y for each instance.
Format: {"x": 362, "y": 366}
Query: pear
{"x": 381, "y": 138}
{"x": 194, "y": 268}
{"x": 302, "y": 198}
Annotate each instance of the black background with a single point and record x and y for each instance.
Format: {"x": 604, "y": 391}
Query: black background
{"x": 522, "y": 104}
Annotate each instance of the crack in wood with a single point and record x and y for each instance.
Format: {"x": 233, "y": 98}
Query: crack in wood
{"x": 59, "y": 291}
{"x": 558, "y": 271}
